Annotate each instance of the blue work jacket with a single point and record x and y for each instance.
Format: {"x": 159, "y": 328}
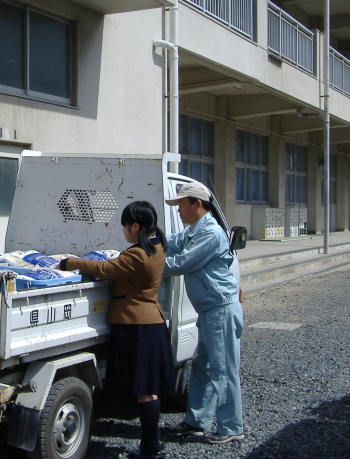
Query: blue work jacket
{"x": 201, "y": 253}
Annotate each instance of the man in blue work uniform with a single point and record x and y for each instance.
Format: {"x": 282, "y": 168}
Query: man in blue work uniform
{"x": 201, "y": 253}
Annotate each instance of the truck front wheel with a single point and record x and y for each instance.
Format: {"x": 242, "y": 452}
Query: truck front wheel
{"x": 64, "y": 426}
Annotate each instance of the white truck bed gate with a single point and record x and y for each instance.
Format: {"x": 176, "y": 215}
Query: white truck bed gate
{"x": 50, "y": 321}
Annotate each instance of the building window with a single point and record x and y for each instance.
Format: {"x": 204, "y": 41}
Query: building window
{"x": 8, "y": 174}
{"x": 296, "y": 174}
{"x": 35, "y": 54}
{"x": 196, "y": 145}
{"x": 251, "y": 167}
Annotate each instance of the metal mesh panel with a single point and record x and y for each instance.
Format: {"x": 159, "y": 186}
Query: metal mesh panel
{"x": 88, "y": 206}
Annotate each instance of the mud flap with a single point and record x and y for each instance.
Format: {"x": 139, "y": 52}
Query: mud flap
{"x": 23, "y": 428}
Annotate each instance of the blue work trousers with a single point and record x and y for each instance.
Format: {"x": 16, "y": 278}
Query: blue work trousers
{"x": 215, "y": 382}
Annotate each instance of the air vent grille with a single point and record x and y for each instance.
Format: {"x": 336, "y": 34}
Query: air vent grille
{"x": 87, "y": 206}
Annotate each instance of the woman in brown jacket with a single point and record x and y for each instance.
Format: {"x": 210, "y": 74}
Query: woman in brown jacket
{"x": 140, "y": 360}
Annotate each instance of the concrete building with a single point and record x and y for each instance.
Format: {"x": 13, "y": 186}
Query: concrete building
{"x": 84, "y": 76}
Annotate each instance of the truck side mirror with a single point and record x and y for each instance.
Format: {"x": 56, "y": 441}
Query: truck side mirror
{"x": 238, "y": 238}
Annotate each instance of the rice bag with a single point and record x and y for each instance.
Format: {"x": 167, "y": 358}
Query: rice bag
{"x": 44, "y": 274}
{"x": 29, "y": 259}
{"x": 101, "y": 255}
{"x": 62, "y": 256}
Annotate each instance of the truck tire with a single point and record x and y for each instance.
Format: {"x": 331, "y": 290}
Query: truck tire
{"x": 64, "y": 426}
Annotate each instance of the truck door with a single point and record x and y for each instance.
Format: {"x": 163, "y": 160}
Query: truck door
{"x": 184, "y": 330}
{"x": 183, "y": 327}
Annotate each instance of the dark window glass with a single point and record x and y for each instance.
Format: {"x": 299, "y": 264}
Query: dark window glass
{"x": 208, "y": 139}
{"x": 35, "y": 54}
{"x": 255, "y": 149}
{"x": 247, "y": 185}
{"x": 296, "y": 174}
{"x": 263, "y": 151}
{"x": 195, "y": 170}
{"x": 195, "y": 137}
{"x": 297, "y": 189}
{"x": 303, "y": 189}
{"x": 287, "y": 156}
{"x": 196, "y": 144}
{"x": 255, "y": 185}
{"x": 247, "y": 148}
{"x": 288, "y": 188}
{"x": 183, "y": 133}
{"x": 207, "y": 174}
{"x": 252, "y": 157}
{"x": 183, "y": 167}
{"x": 49, "y": 51}
{"x": 263, "y": 186}
{"x": 11, "y": 46}
{"x": 298, "y": 158}
{"x": 240, "y": 146}
{"x": 304, "y": 160}
{"x": 291, "y": 185}
{"x": 8, "y": 174}
{"x": 292, "y": 158}
{"x": 240, "y": 184}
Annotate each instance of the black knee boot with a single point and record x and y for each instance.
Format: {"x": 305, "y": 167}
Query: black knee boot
{"x": 149, "y": 418}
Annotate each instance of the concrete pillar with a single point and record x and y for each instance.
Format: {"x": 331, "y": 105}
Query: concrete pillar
{"x": 342, "y": 193}
{"x": 224, "y": 159}
{"x": 262, "y": 30}
{"x": 314, "y": 191}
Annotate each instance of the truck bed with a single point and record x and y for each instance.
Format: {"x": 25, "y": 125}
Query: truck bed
{"x": 43, "y": 322}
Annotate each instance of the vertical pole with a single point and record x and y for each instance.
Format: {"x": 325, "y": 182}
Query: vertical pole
{"x": 174, "y": 84}
{"x": 326, "y": 194}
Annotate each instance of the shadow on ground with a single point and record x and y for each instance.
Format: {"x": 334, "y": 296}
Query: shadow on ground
{"x": 324, "y": 435}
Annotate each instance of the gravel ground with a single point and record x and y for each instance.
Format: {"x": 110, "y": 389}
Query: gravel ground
{"x": 295, "y": 383}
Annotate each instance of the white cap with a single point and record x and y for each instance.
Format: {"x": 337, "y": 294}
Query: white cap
{"x": 190, "y": 190}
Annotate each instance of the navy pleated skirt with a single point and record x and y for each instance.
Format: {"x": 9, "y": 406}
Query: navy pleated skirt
{"x": 140, "y": 360}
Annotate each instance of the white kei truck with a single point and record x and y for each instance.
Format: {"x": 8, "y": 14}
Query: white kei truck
{"x": 54, "y": 338}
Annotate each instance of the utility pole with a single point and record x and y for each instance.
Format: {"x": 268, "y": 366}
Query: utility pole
{"x": 326, "y": 194}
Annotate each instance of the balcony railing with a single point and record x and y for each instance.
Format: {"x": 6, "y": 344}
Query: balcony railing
{"x": 235, "y": 14}
{"x": 339, "y": 72}
{"x": 290, "y": 40}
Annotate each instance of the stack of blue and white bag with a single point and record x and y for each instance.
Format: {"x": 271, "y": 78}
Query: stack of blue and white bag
{"x": 35, "y": 269}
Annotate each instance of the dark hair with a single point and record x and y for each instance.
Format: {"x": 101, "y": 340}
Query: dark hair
{"x": 143, "y": 213}
{"x": 206, "y": 204}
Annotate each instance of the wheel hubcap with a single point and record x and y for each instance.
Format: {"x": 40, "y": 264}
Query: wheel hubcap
{"x": 68, "y": 428}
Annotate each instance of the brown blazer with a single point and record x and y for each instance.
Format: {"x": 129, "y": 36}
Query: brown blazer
{"x": 136, "y": 279}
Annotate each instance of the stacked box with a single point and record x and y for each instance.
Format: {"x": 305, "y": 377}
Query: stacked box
{"x": 302, "y": 223}
{"x": 292, "y": 222}
{"x": 267, "y": 223}
{"x": 296, "y": 221}
{"x": 279, "y": 222}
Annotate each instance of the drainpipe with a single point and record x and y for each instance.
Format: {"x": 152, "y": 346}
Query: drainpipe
{"x": 326, "y": 194}
{"x": 172, "y": 47}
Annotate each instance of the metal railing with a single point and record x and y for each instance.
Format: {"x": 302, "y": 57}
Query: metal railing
{"x": 339, "y": 71}
{"x": 235, "y": 14}
{"x": 290, "y": 40}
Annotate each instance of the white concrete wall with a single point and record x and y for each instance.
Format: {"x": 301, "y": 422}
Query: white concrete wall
{"x": 230, "y": 50}
{"x": 120, "y": 89}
